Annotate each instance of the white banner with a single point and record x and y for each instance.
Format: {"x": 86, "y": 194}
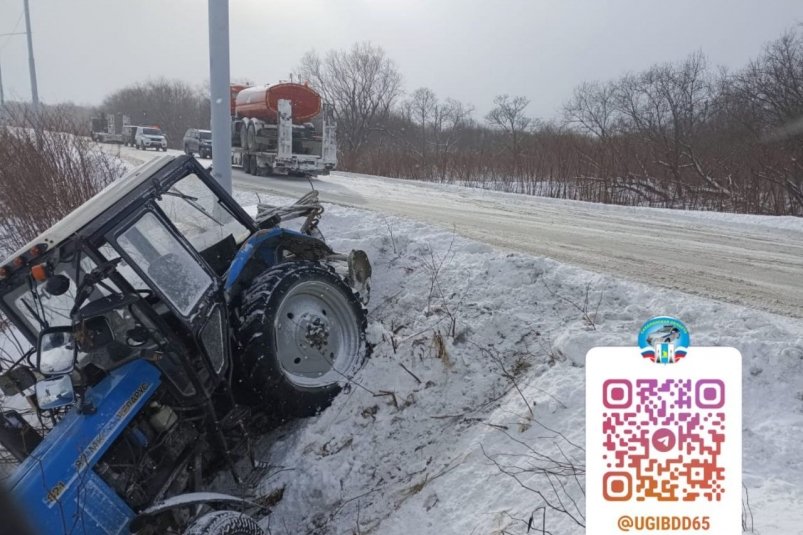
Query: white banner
{"x": 663, "y": 441}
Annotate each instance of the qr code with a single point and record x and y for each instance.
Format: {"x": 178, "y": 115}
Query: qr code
{"x": 663, "y": 439}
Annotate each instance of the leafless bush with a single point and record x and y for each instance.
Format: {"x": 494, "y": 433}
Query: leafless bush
{"x": 555, "y": 473}
{"x": 437, "y": 293}
{"x": 511, "y": 374}
{"x": 47, "y": 171}
{"x": 676, "y": 135}
{"x": 582, "y": 306}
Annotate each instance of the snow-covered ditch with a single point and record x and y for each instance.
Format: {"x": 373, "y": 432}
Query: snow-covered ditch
{"x": 476, "y": 382}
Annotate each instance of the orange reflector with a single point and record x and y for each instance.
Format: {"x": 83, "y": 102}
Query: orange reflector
{"x": 37, "y": 250}
{"x": 39, "y": 272}
{"x": 19, "y": 261}
{"x": 4, "y": 272}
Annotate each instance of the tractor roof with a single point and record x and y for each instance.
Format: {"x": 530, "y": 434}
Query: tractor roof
{"x": 94, "y": 207}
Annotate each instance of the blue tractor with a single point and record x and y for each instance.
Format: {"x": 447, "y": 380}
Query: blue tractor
{"x": 164, "y": 324}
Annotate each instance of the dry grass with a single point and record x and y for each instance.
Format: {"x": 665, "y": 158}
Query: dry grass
{"x": 47, "y": 170}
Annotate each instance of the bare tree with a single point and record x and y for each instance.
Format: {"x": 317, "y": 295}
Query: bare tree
{"x": 360, "y": 84}
{"x": 592, "y": 108}
{"x": 450, "y": 119}
{"x": 420, "y": 108}
{"x": 508, "y": 116}
{"x": 172, "y": 105}
{"x": 677, "y": 134}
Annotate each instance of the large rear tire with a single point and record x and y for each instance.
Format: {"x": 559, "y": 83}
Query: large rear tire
{"x": 301, "y": 337}
{"x": 224, "y": 523}
{"x": 252, "y": 137}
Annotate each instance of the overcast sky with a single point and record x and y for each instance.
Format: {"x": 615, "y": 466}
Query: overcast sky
{"x": 470, "y": 50}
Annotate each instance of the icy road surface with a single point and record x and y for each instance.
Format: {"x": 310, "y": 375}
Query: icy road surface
{"x": 752, "y": 261}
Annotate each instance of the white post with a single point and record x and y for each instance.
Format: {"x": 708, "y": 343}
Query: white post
{"x": 31, "y": 65}
{"x": 284, "y": 111}
{"x": 220, "y": 94}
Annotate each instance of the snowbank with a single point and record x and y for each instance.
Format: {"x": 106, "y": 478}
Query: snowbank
{"x": 478, "y": 369}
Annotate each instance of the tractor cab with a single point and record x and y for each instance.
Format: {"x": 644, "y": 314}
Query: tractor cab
{"x": 138, "y": 276}
{"x": 142, "y": 309}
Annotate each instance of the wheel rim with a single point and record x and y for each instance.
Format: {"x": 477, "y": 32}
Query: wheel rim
{"x": 317, "y": 335}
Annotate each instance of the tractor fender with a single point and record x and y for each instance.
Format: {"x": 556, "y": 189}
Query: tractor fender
{"x": 186, "y": 500}
{"x": 266, "y": 248}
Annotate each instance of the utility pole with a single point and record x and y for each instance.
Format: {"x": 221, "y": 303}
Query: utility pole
{"x": 2, "y": 95}
{"x": 31, "y": 65}
{"x": 220, "y": 93}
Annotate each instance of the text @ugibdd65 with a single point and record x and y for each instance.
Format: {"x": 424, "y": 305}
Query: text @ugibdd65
{"x": 663, "y": 523}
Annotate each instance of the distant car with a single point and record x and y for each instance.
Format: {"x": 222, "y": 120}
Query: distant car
{"x": 198, "y": 141}
{"x": 150, "y": 137}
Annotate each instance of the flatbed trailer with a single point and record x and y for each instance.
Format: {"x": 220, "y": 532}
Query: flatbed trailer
{"x": 109, "y": 127}
{"x": 262, "y": 148}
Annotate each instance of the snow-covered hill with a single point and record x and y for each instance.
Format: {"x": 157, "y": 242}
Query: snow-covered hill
{"x": 478, "y": 369}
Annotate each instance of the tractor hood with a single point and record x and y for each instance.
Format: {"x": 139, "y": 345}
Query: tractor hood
{"x": 52, "y": 484}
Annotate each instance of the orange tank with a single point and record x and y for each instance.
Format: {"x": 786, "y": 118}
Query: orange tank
{"x": 261, "y": 102}
{"x": 235, "y": 89}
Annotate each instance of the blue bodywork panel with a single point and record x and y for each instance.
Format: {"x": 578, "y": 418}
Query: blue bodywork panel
{"x": 56, "y": 486}
{"x": 265, "y": 245}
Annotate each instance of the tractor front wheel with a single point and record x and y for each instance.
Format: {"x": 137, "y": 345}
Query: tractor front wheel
{"x": 301, "y": 336}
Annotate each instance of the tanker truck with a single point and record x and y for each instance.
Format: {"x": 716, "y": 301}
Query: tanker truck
{"x": 281, "y": 129}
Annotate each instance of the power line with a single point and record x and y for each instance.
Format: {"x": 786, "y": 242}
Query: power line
{"x": 13, "y": 31}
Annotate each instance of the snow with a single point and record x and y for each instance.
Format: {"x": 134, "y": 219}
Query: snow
{"x": 753, "y": 261}
{"x": 409, "y": 445}
{"x": 484, "y": 361}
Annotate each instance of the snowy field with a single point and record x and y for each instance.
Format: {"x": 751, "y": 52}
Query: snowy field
{"x": 478, "y": 370}
{"x": 476, "y": 382}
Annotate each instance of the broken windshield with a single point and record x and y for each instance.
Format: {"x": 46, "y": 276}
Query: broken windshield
{"x": 158, "y": 253}
{"x": 199, "y": 216}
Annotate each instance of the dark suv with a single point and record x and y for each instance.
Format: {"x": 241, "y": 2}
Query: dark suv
{"x": 198, "y": 141}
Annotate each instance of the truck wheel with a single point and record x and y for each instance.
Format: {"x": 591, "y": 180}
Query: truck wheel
{"x": 252, "y": 137}
{"x": 224, "y": 523}
{"x": 301, "y": 335}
